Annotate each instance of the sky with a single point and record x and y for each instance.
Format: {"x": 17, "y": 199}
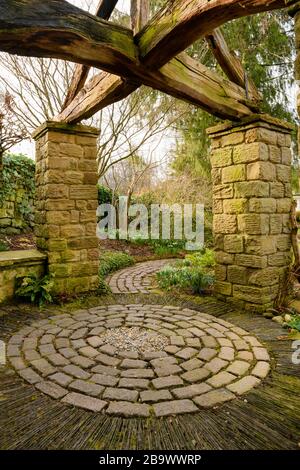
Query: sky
{"x": 27, "y": 147}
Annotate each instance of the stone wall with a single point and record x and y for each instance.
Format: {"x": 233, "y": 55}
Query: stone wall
{"x": 18, "y": 263}
{"x": 17, "y": 195}
{"x": 251, "y": 172}
{"x": 66, "y": 203}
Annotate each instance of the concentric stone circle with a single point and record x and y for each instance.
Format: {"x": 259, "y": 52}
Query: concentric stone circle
{"x": 206, "y": 362}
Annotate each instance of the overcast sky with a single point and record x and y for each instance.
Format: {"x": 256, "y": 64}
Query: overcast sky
{"x": 27, "y": 147}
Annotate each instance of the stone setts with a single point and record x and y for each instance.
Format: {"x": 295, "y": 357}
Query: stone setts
{"x": 214, "y": 362}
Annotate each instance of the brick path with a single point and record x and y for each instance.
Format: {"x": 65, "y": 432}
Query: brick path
{"x": 136, "y": 279}
{"x": 207, "y": 361}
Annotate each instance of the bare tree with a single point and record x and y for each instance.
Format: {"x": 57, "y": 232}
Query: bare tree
{"x": 11, "y": 130}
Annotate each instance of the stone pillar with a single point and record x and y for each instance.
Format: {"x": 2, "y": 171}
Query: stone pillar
{"x": 251, "y": 173}
{"x": 66, "y": 203}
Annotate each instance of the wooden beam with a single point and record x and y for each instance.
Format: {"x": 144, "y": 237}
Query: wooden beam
{"x": 231, "y": 64}
{"x": 140, "y": 10}
{"x": 101, "y": 91}
{"x": 60, "y": 30}
{"x": 105, "y": 89}
{"x": 104, "y": 11}
{"x": 182, "y": 22}
{"x": 182, "y": 77}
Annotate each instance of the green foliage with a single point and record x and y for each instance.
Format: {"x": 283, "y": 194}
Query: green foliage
{"x": 111, "y": 261}
{"x": 185, "y": 278}
{"x": 167, "y": 247}
{"x": 265, "y": 46}
{"x": 3, "y": 246}
{"x": 18, "y": 173}
{"x": 37, "y": 290}
{"x": 104, "y": 195}
{"x": 201, "y": 259}
{"x": 294, "y": 324}
{"x": 193, "y": 273}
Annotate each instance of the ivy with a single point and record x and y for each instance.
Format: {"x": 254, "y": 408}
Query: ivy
{"x": 18, "y": 173}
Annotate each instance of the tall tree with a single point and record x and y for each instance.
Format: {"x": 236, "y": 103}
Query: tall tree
{"x": 265, "y": 46}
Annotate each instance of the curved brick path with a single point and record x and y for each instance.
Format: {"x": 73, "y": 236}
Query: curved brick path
{"x": 136, "y": 279}
{"x": 206, "y": 362}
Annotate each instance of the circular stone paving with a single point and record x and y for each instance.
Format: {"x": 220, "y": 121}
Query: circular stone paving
{"x": 94, "y": 359}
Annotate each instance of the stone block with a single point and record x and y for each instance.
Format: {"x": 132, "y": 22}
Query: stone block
{"x": 253, "y": 224}
{"x": 286, "y": 156}
{"x": 233, "y": 243}
{"x": 250, "y": 152}
{"x": 255, "y": 295}
{"x": 220, "y": 272}
{"x": 224, "y": 223}
{"x": 265, "y": 277}
{"x": 224, "y": 258}
{"x": 260, "y": 245}
{"x": 275, "y": 154}
{"x": 251, "y": 261}
{"x": 224, "y": 288}
{"x": 263, "y": 171}
{"x": 261, "y": 134}
{"x": 237, "y": 274}
{"x": 283, "y": 173}
{"x": 223, "y": 191}
{"x": 245, "y": 189}
{"x": 262, "y": 205}
{"x": 284, "y": 205}
{"x": 233, "y": 173}
{"x": 233, "y": 138}
{"x": 221, "y": 157}
{"x": 235, "y": 206}
{"x": 277, "y": 190}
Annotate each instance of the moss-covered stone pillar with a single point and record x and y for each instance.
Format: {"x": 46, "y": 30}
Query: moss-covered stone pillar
{"x": 66, "y": 203}
{"x": 251, "y": 173}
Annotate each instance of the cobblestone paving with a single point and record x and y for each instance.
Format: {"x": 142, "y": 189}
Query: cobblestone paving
{"x": 136, "y": 279}
{"x": 207, "y": 361}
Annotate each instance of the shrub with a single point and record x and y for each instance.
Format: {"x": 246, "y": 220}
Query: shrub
{"x": 3, "y": 246}
{"x": 104, "y": 195}
{"x": 112, "y": 261}
{"x": 294, "y": 323}
{"x": 204, "y": 259}
{"x": 37, "y": 290}
{"x": 185, "y": 277}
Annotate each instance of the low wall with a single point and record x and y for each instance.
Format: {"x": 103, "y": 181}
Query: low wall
{"x": 18, "y": 263}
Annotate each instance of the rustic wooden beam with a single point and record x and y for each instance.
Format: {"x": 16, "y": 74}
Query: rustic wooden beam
{"x": 140, "y": 10}
{"x": 101, "y": 91}
{"x": 182, "y": 22}
{"x": 105, "y": 89}
{"x": 104, "y": 11}
{"x": 60, "y": 30}
{"x": 231, "y": 64}
{"x": 182, "y": 77}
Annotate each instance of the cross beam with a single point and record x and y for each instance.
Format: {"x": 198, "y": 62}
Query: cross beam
{"x": 59, "y": 30}
{"x": 104, "y": 11}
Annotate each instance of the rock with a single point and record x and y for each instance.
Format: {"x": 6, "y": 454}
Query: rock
{"x": 278, "y": 319}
